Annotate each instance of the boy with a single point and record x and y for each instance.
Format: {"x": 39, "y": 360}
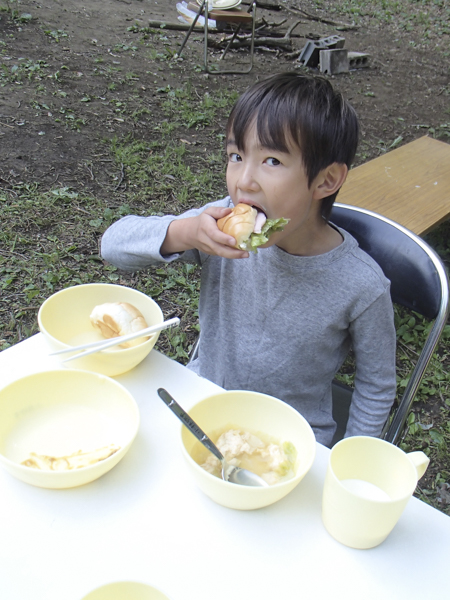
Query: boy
{"x": 282, "y": 321}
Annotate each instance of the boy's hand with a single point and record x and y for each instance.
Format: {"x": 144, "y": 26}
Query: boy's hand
{"x": 210, "y": 239}
{"x": 202, "y": 233}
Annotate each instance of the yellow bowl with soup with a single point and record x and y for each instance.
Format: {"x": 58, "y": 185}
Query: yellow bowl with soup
{"x": 268, "y": 419}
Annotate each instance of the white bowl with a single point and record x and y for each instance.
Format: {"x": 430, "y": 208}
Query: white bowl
{"x": 64, "y": 321}
{"x": 257, "y": 413}
{"x": 126, "y": 590}
{"x": 58, "y": 413}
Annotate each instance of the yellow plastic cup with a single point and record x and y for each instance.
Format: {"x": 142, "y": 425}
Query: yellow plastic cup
{"x": 367, "y": 486}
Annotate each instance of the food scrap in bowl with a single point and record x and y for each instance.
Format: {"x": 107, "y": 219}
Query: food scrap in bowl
{"x": 114, "y": 319}
{"x": 77, "y": 460}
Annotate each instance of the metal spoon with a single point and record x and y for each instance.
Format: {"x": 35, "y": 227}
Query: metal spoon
{"x": 229, "y": 472}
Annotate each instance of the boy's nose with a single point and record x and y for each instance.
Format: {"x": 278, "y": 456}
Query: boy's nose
{"x": 247, "y": 180}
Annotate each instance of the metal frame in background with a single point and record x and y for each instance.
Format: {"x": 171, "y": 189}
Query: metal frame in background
{"x": 204, "y": 7}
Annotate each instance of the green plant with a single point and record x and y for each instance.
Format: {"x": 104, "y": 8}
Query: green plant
{"x": 56, "y": 34}
{"x": 10, "y": 8}
{"x": 183, "y": 105}
{"x": 25, "y": 69}
{"x": 163, "y": 172}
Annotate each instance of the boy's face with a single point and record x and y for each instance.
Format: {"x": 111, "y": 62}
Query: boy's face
{"x": 276, "y": 183}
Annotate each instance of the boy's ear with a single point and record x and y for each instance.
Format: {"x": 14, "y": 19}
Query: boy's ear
{"x": 330, "y": 180}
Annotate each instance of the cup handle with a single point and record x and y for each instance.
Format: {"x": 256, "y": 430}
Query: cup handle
{"x": 420, "y": 460}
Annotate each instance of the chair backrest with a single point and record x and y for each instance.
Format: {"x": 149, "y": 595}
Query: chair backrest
{"x": 407, "y": 261}
{"x": 418, "y": 281}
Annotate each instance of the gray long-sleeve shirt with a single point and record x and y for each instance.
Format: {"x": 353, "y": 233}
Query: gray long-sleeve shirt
{"x": 283, "y": 324}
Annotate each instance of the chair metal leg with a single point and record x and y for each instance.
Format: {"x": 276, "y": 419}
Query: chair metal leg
{"x": 236, "y": 31}
{"x": 392, "y": 431}
{"x": 183, "y": 44}
{"x": 252, "y": 46}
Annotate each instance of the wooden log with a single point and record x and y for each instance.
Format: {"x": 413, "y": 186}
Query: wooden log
{"x": 268, "y": 5}
{"x": 174, "y": 26}
{"x": 244, "y": 42}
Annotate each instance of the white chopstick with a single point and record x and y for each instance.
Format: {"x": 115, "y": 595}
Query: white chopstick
{"x": 103, "y": 345}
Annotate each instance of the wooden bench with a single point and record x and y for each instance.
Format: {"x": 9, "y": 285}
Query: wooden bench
{"x": 410, "y": 185}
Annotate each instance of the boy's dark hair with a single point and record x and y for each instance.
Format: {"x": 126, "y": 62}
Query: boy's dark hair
{"x": 306, "y": 109}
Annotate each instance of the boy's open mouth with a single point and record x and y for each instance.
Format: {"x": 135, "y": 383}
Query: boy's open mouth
{"x": 259, "y": 221}
{"x": 260, "y": 218}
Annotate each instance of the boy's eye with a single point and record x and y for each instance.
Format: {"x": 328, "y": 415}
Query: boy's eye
{"x": 273, "y": 162}
{"x": 234, "y": 157}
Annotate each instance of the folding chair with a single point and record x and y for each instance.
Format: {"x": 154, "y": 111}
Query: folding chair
{"x": 238, "y": 18}
{"x": 418, "y": 281}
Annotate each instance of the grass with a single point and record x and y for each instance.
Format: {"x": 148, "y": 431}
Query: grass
{"x": 51, "y": 241}
{"x": 12, "y": 8}
{"x": 49, "y": 238}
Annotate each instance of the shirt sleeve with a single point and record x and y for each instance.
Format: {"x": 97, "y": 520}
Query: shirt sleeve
{"x": 374, "y": 341}
{"x": 134, "y": 243}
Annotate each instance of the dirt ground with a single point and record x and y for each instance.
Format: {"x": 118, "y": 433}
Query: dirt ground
{"x": 403, "y": 93}
{"x": 75, "y": 74}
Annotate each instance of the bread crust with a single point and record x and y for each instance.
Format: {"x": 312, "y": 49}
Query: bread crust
{"x": 114, "y": 319}
{"x": 239, "y": 223}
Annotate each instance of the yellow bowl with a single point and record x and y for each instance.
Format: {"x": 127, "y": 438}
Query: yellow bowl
{"x": 257, "y": 413}
{"x": 64, "y": 321}
{"x": 58, "y": 413}
{"x": 126, "y": 590}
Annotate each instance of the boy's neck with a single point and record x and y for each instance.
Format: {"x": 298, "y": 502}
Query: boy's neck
{"x": 317, "y": 240}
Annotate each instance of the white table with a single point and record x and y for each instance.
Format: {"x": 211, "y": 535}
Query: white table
{"x": 146, "y": 521}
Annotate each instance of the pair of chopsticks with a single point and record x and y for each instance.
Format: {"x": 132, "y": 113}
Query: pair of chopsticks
{"x": 102, "y": 345}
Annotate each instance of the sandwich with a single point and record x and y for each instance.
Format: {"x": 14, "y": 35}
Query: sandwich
{"x": 114, "y": 319}
{"x": 249, "y": 227}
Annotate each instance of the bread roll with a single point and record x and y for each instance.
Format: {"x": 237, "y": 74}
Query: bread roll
{"x": 114, "y": 319}
{"x": 239, "y": 223}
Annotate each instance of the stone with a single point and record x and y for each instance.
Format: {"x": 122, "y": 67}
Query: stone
{"x": 358, "y": 60}
{"x": 333, "y": 62}
{"x": 309, "y": 55}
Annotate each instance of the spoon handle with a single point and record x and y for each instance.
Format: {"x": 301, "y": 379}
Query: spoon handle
{"x": 189, "y": 423}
